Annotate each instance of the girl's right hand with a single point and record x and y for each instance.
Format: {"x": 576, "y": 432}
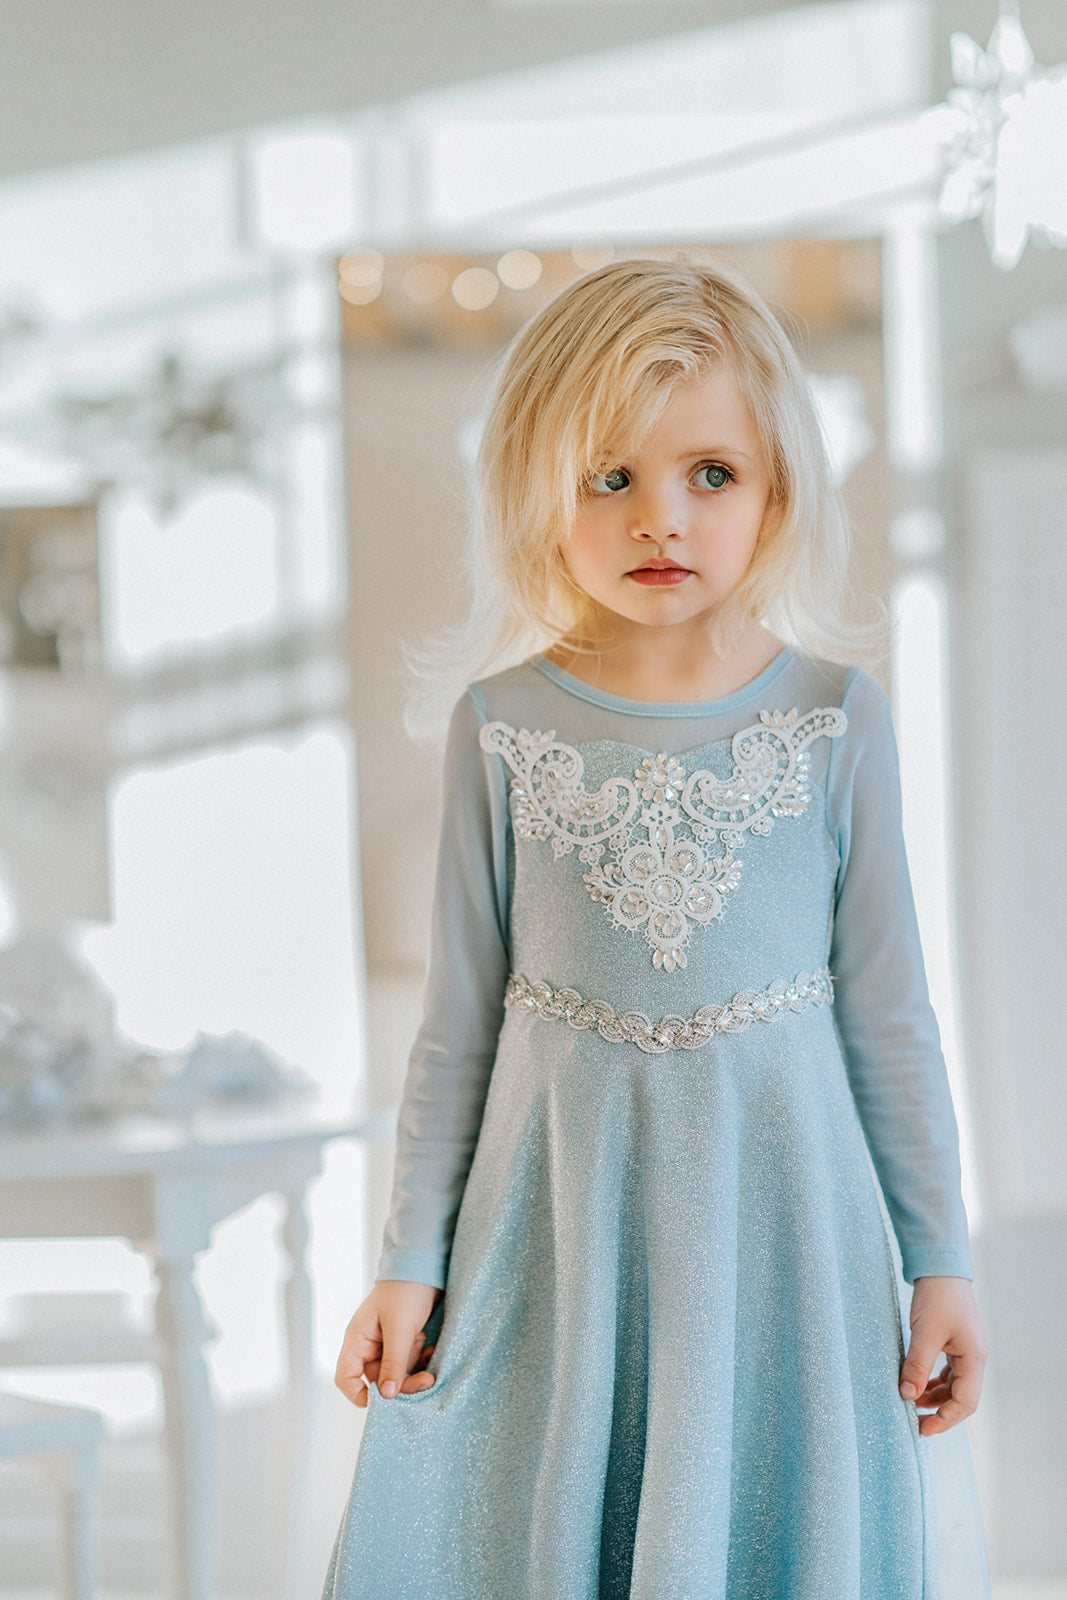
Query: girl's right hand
{"x": 384, "y": 1342}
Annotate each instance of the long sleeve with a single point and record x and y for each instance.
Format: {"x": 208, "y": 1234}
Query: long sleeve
{"x": 451, "y": 1060}
{"x": 886, "y": 1024}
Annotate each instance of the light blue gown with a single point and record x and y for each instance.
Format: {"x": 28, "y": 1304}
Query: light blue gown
{"x": 636, "y": 1148}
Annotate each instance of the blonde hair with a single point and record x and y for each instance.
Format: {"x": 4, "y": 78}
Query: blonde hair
{"x": 577, "y": 389}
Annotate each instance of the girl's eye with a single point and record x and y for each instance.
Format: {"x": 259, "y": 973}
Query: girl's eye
{"x": 711, "y": 477}
{"x": 609, "y": 482}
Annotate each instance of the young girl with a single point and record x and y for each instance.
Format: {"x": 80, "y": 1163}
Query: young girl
{"x": 676, "y": 996}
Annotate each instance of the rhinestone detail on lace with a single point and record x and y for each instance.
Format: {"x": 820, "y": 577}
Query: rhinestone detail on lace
{"x": 670, "y": 1033}
{"x": 664, "y": 875}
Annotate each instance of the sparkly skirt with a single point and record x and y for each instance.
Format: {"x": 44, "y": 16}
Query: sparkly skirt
{"x": 668, "y": 1362}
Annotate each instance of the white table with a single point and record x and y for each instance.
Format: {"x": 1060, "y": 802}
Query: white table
{"x": 164, "y": 1185}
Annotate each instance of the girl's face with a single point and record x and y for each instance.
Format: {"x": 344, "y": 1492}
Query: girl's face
{"x": 665, "y": 536}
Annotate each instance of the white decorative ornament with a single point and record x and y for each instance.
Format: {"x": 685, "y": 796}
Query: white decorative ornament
{"x": 179, "y": 427}
{"x": 663, "y": 875}
{"x": 1006, "y": 132}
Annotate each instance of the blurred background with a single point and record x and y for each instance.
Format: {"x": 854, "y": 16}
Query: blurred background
{"x": 256, "y": 262}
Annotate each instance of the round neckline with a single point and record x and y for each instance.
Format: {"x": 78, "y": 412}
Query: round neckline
{"x": 664, "y": 708}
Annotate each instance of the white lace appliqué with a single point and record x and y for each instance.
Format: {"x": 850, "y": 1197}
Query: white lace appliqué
{"x": 663, "y": 874}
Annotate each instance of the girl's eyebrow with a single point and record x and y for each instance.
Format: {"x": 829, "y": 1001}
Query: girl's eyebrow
{"x": 715, "y": 450}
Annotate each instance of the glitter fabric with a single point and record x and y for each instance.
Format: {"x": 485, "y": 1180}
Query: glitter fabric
{"x": 668, "y": 1354}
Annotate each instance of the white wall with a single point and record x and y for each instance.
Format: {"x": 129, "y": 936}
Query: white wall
{"x": 1011, "y": 659}
{"x": 1006, "y": 488}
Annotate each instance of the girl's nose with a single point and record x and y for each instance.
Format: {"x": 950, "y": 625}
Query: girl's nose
{"x": 655, "y": 514}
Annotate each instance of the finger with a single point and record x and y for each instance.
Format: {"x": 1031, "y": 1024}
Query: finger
{"x": 414, "y": 1383}
{"x": 362, "y": 1393}
{"x": 352, "y": 1368}
{"x": 937, "y": 1390}
{"x": 946, "y": 1375}
{"x": 417, "y": 1383}
{"x": 915, "y": 1371}
{"x": 355, "y": 1372}
{"x": 361, "y": 1344}
{"x": 944, "y": 1418}
{"x": 962, "y": 1399}
{"x": 424, "y": 1357}
{"x": 926, "y": 1405}
{"x": 399, "y": 1351}
{"x": 967, "y": 1373}
{"x": 934, "y": 1395}
{"x": 419, "y": 1379}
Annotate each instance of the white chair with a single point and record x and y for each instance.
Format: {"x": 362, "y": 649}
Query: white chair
{"x": 32, "y": 1428}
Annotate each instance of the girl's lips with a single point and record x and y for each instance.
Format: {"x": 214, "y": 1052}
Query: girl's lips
{"x": 659, "y": 576}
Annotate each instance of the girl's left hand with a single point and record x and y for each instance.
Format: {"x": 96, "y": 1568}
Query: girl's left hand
{"x": 944, "y": 1317}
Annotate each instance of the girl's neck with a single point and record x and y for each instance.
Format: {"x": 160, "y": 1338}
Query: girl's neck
{"x": 653, "y": 666}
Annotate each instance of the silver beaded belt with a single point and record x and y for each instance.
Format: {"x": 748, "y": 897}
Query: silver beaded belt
{"x": 671, "y": 1033}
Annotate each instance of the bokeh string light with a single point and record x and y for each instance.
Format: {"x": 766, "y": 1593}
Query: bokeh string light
{"x": 475, "y": 288}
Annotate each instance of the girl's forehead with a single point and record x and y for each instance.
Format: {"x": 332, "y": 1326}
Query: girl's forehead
{"x": 715, "y": 399}
{"x": 691, "y": 408}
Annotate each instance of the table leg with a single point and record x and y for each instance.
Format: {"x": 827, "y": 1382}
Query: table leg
{"x": 192, "y": 1446}
{"x": 75, "y": 1475}
{"x": 297, "y": 1407}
